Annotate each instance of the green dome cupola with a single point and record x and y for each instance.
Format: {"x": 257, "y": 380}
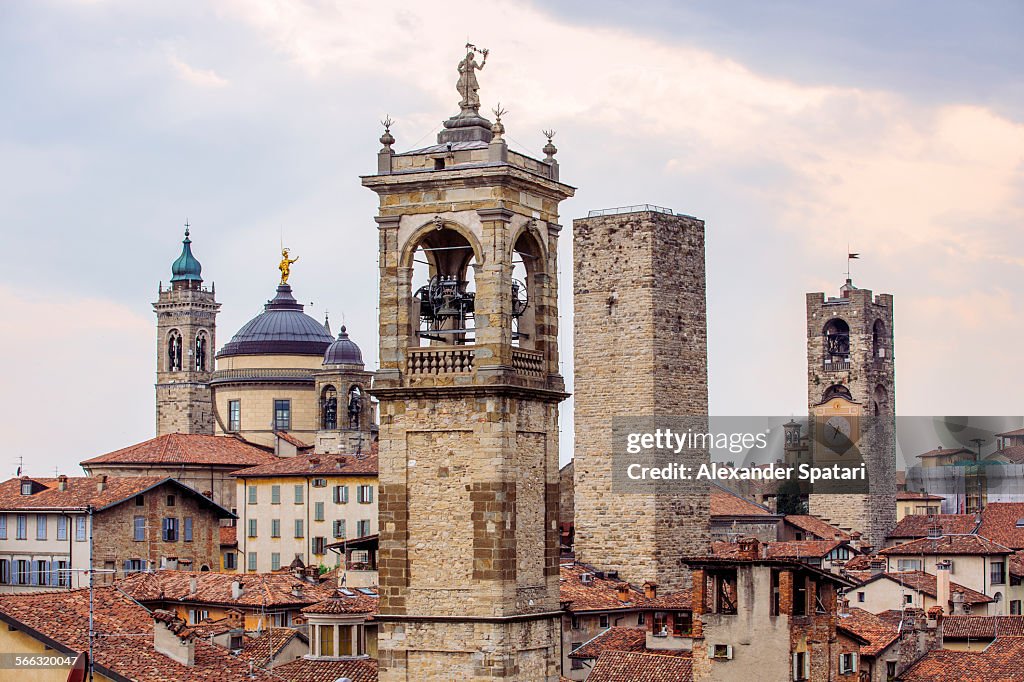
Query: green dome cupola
{"x": 186, "y": 269}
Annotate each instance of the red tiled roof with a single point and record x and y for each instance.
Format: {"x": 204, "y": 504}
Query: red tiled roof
{"x": 289, "y": 438}
{"x": 999, "y": 523}
{"x": 314, "y": 465}
{"x": 982, "y": 627}
{"x": 1017, "y": 564}
{"x": 258, "y": 648}
{"x": 341, "y": 603}
{"x": 861, "y": 562}
{"x": 795, "y": 549}
{"x": 620, "y": 666}
{"x": 83, "y": 491}
{"x": 1015, "y": 432}
{"x": 229, "y": 536}
{"x": 908, "y": 496}
{"x": 258, "y": 589}
{"x": 187, "y": 448}
{"x": 812, "y": 524}
{"x": 61, "y": 620}
{"x": 613, "y": 639}
{"x": 925, "y": 582}
{"x": 725, "y": 502}
{"x": 600, "y": 595}
{"x": 940, "y": 452}
{"x": 947, "y": 544}
{"x": 1013, "y": 453}
{"x": 681, "y": 599}
{"x": 919, "y": 526}
{"x": 1001, "y": 661}
{"x": 876, "y": 631}
{"x": 307, "y": 670}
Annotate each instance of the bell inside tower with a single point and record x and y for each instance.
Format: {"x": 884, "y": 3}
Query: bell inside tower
{"x": 837, "y": 342}
{"x": 443, "y": 278}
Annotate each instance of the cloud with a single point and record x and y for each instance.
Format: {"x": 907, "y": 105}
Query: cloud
{"x": 203, "y": 78}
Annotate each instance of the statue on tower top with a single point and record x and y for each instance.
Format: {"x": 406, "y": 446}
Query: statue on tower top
{"x": 468, "y": 84}
{"x": 286, "y": 265}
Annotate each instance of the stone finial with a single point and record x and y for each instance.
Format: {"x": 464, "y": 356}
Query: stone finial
{"x": 387, "y": 139}
{"x": 497, "y": 127}
{"x": 549, "y": 149}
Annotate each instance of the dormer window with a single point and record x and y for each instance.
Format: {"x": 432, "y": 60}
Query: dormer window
{"x": 27, "y": 488}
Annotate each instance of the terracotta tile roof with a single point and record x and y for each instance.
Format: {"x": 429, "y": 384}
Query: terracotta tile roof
{"x": 312, "y": 465}
{"x": 258, "y": 648}
{"x": 795, "y": 549}
{"x": 83, "y": 491}
{"x": 311, "y": 670}
{"x": 919, "y": 526}
{"x": 999, "y": 523}
{"x": 600, "y": 595}
{"x": 620, "y": 666}
{"x": 289, "y": 438}
{"x": 1015, "y": 432}
{"x": 258, "y": 589}
{"x": 190, "y": 448}
{"x": 681, "y": 599}
{"x": 1001, "y": 661}
{"x": 861, "y": 562}
{"x": 870, "y": 627}
{"x": 613, "y": 639}
{"x": 947, "y": 544}
{"x": 725, "y": 502}
{"x": 346, "y": 600}
{"x": 1017, "y": 564}
{"x": 891, "y": 616}
{"x": 908, "y": 496}
{"x": 229, "y": 536}
{"x": 982, "y": 627}
{"x": 1013, "y": 453}
{"x": 925, "y": 582}
{"x": 812, "y": 524}
{"x": 941, "y": 452}
{"x": 61, "y": 620}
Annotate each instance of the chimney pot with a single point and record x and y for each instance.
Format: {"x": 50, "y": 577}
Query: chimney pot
{"x": 650, "y": 590}
{"x": 101, "y": 483}
{"x": 62, "y": 482}
{"x": 236, "y": 590}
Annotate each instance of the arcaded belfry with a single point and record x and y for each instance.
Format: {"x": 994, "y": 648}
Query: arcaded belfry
{"x": 469, "y": 391}
{"x": 641, "y": 350}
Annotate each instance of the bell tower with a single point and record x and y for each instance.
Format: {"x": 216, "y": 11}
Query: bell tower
{"x": 186, "y": 336}
{"x": 851, "y": 395}
{"x": 468, "y": 391}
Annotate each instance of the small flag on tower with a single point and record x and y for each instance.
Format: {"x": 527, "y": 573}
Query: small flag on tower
{"x": 853, "y": 255}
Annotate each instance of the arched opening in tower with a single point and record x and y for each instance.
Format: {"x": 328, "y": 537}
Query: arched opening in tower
{"x": 444, "y": 285}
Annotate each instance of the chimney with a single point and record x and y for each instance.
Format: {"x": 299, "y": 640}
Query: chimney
{"x": 877, "y": 565}
{"x": 173, "y": 638}
{"x": 297, "y": 591}
{"x": 750, "y": 548}
{"x": 942, "y": 583}
{"x": 650, "y": 590}
{"x": 101, "y": 483}
{"x": 622, "y": 592}
{"x": 959, "y": 605}
{"x": 236, "y": 590}
{"x": 339, "y": 462}
{"x": 62, "y": 483}
{"x": 193, "y": 587}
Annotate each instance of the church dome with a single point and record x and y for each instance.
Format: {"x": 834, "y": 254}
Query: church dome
{"x": 186, "y": 268}
{"x": 281, "y": 329}
{"x": 343, "y": 351}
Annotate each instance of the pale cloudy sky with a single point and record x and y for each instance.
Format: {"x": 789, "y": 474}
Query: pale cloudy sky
{"x": 792, "y": 128}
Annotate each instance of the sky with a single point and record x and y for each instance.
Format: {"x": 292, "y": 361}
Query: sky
{"x": 794, "y": 129}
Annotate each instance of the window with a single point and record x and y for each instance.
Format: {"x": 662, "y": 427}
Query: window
{"x": 22, "y": 572}
{"x": 890, "y": 670}
{"x": 577, "y": 664}
{"x": 170, "y": 500}
{"x": 22, "y": 527}
{"x": 319, "y": 482}
{"x": 339, "y": 528}
{"x": 41, "y": 573}
{"x": 252, "y": 494}
{"x": 26, "y": 488}
{"x": 997, "y": 572}
{"x": 188, "y": 529}
{"x": 5, "y": 572}
{"x": 275, "y": 561}
{"x": 847, "y": 663}
{"x": 329, "y": 408}
{"x": 140, "y": 500}
{"x": 79, "y": 529}
{"x": 230, "y": 562}
{"x": 640, "y": 620}
{"x": 63, "y": 574}
{"x": 908, "y": 599}
{"x": 299, "y": 498}
{"x": 275, "y": 528}
{"x": 341, "y": 494}
{"x": 318, "y": 545}
{"x": 660, "y": 624}
{"x": 139, "y": 526}
{"x": 275, "y": 494}
{"x": 174, "y": 351}
{"x": 234, "y": 415}
{"x": 326, "y": 639}
{"x": 252, "y": 561}
{"x": 362, "y": 528}
{"x": 908, "y": 564}
{"x": 801, "y": 666}
{"x": 318, "y": 511}
{"x": 196, "y": 616}
{"x": 860, "y": 597}
{"x": 799, "y": 596}
{"x": 62, "y": 528}
{"x": 682, "y": 624}
{"x": 41, "y": 527}
{"x": 722, "y": 652}
{"x": 282, "y": 415}
{"x": 252, "y": 528}
{"x": 365, "y": 494}
{"x": 3, "y": 526}
{"x": 170, "y": 529}
{"x": 299, "y": 529}
{"x": 134, "y": 566}
{"x": 603, "y": 620}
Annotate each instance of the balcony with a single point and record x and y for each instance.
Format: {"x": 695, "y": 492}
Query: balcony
{"x": 528, "y": 362}
{"x": 440, "y": 360}
{"x": 837, "y": 366}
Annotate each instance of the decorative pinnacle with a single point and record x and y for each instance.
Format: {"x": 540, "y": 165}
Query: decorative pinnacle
{"x": 549, "y": 149}
{"x": 387, "y": 139}
{"x": 497, "y": 127}
{"x": 186, "y": 227}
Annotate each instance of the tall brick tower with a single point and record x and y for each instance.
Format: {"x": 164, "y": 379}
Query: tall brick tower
{"x": 186, "y": 335}
{"x": 640, "y": 351}
{"x": 851, "y": 395}
{"x": 469, "y": 391}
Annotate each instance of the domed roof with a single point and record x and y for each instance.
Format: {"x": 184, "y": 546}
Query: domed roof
{"x": 186, "y": 268}
{"x": 282, "y": 329}
{"x": 344, "y": 351}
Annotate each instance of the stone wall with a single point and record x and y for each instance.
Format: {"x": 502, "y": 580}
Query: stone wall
{"x": 640, "y": 350}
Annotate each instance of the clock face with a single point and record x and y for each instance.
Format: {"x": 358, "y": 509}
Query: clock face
{"x": 836, "y": 436}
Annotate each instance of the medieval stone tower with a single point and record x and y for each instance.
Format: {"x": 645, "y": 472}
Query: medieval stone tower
{"x": 469, "y": 391}
{"x": 346, "y": 418}
{"x": 640, "y": 351}
{"x": 851, "y": 394}
{"x": 186, "y": 336}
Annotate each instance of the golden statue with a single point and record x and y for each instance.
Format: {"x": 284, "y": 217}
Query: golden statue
{"x": 286, "y": 265}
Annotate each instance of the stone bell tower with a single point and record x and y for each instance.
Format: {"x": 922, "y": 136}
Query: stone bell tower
{"x": 851, "y": 395}
{"x": 186, "y": 331}
{"x": 469, "y": 391}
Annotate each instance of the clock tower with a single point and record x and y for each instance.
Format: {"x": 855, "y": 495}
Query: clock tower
{"x": 852, "y": 404}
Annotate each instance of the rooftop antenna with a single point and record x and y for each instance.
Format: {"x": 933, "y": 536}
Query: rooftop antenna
{"x": 21, "y": 463}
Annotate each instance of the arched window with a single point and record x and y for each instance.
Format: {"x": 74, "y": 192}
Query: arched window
{"x": 837, "y": 341}
{"x": 329, "y": 408}
{"x": 174, "y": 351}
{"x": 201, "y": 351}
{"x": 355, "y": 406}
{"x": 836, "y": 391}
{"x": 444, "y": 289}
{"x": 527, "y": 265}
{"x": 878, "y": 340}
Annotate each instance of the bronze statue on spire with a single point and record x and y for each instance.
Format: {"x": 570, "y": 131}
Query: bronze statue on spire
{"x": 468, "y": 84}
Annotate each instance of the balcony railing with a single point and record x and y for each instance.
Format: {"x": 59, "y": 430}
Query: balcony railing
{"x": 837, "y": 366}
{"x": 440, "y": 360}
{"x": 528, "y": 362}
{"x": 263, "y": 374}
